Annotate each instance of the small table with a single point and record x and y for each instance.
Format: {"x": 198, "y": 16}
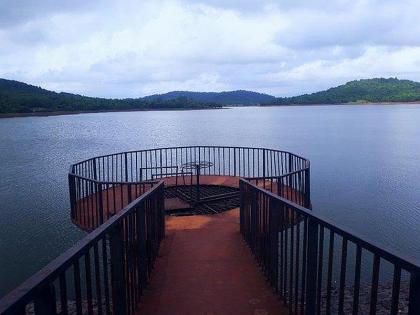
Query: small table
{"x": 197, "y": 166}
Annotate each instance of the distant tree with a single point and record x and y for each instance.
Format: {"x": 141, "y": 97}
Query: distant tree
{"x": 367, "y": 90}
{"x": 18, "y": 97}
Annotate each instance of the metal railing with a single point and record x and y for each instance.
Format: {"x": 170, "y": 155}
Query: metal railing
{"x": 93, "y": 202}
{"x": 105, "y": 273}
{"x": 294, "y": 186}
{"x": 315, "y": 266}
{"x": 102, "y": 185}
{"x": 304, "y": 255}
{"x": 137, "y": 166}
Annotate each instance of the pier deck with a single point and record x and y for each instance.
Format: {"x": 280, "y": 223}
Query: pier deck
{"x": 205, "y": 267}
{"x": 115, "y": 198}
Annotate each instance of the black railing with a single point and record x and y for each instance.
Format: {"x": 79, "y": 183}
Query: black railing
{"x": 105, "y": 273}
{"x": 138, "y": 166}
{"x": 294, "y": 186}
{"x": 93, "y": 202}
{"x": 315, "y": 266}
{"x": 122, "y": 175}
{"x": 304, "y": 255}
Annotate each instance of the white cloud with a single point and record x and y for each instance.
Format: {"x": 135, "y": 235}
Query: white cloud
{"x": 130, "y": 48}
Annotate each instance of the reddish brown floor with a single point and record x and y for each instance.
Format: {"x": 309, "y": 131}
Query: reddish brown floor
{"x": 116, "y": 198}
{"x": 206, "y": 268}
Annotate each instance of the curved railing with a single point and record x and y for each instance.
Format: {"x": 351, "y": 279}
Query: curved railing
{"x": 127, "y": 175}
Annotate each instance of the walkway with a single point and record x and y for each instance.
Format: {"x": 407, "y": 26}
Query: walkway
{"x": 205, "y": 268}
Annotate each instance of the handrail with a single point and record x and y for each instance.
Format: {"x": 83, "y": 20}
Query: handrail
{"x": 410, "y": 264}
{"x": 113, "y": 235}
{"x": 34, "y": 287}
{"x": 289, "y": 244}
{"x": 289, "y": 241}
{"x": 90, "y": 180}
{"x": 276, "y": 177}
{"x": 187, "y": 147}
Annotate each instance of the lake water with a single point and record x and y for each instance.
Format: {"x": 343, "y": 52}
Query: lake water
{"x": 364, "y": 165}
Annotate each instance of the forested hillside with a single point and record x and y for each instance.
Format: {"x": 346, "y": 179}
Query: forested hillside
{"x": 18, "y": 97}
{"x": 239, "y": 97}
{"x": 360, "y": 91}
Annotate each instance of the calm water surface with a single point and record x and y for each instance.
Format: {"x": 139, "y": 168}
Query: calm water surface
{"x": 365, "y": 167}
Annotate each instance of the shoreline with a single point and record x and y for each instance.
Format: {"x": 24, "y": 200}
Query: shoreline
{"x": 339, "y": 104}
{"x": 65, "y": 113}
{"x": 46, "y": 114}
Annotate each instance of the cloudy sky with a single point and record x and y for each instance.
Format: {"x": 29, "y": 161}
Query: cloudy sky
{"x": 134, "y": 48}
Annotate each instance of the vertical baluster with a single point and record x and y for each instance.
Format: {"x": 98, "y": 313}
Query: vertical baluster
{"x": 45, "y": 303}
{"x": 374, "y": 286}
{"x": 396, "y": 290}
{"x": 311, "y": 267}
{"x": 330, "y": 269}
{"x": 292, "y": 265}
{"x": 281, "y": 225}
{"x": 117, "y": 271}
{"x": 320, "y": 265}
{"x": 101, "y": 205}
{"x": 63, "y": 293}
{"x": 297, "y": 222}
{"x": 414, "y": 296}
{"x": 356, "y": 287}
{"x": 342, "y": 277}
{"x": 97, "y": 278}
{"x": 141, "y": 246}
{"x": 274, "y": 242}
{"x": 88, "y": 282}
{"x": 77, "y": 287}
{"x": 286, "y": 229}
{"x": 106, "y": 277}
{"x": 304, "y": 258}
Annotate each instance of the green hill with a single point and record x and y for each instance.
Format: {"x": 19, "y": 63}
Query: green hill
{"x": 239, "y": 97}
{"x": 359, "y": 91}
{"x": 18, "y": 97}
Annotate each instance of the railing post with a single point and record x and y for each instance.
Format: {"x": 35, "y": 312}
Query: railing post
{"x": 117, "y": 271}
{"x": 241, "y": 208}
{"x": 101, "y": 204}
{"x": 253, "y": 221}
{"x": 141, "y": 245}
{"x": 274, "y": 220}
{"x": 129, "y": 193}
{"x": 161, "y": 197}
{"x": 307, "y": 188}
{"x": 414, "y": 298}
{"x": 72, "y": 190}
{"x": 311, "y": 267}
{"x": 234, "y": 162}
{"x": 264, "y": 164}
{"x": 290, "y": 163}
{"x": 95, "y": 175}
{"x": 45, "y": 303}
{"x": 126, "y": 167}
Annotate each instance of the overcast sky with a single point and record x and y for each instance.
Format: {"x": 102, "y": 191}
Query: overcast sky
{"x": 134, "y": 48}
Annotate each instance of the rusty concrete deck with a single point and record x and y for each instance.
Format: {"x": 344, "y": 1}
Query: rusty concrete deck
{"x": 205, "y": 267}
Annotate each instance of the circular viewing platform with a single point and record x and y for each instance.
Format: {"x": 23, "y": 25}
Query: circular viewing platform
{"x": 197, "y": 180}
